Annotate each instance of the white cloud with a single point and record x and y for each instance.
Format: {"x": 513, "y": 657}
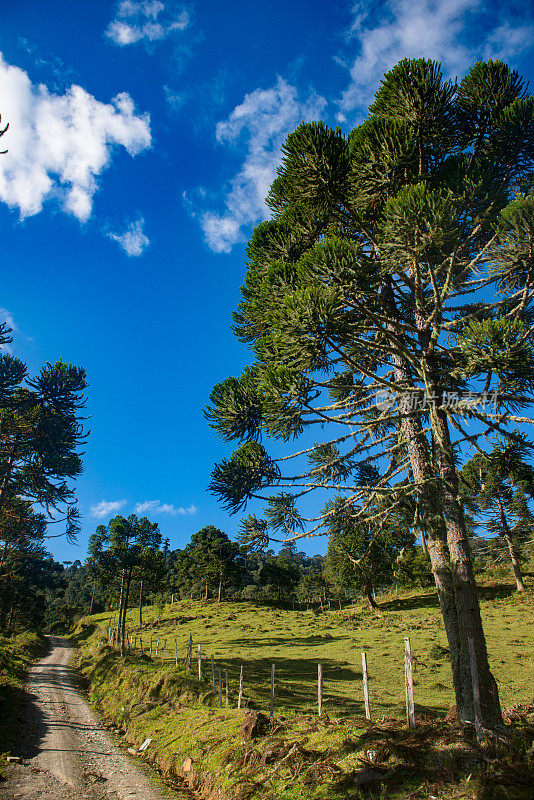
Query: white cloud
{"x": 7, "y": 317}
{"x": 265, "y": 117}
{"x": 155, "y": 507}
{"x": 437, "y": 29}
{"x": 146, "y": 20}
{"x": 106, "y": 508}
{"x": 133, "y": 240}
{"x": 507, "y": 41}
{"x": 59, "y": 144}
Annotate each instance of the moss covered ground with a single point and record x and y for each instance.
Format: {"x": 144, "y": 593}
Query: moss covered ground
{"x": 299, "y": 755}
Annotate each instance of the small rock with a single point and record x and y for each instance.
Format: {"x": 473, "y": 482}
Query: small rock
{"x": 144, "y": 745}
{"x": 186, "y": 766}
{"x": 367, "y": 777}
{"x": 253, "y": 725}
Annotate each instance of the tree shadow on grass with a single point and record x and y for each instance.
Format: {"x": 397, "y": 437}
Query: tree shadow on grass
{"x": 407, "y": 603}
{"x": 497, "y": 591}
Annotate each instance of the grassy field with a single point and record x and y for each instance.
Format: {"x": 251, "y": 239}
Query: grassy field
{"x": 298, "y": 756}
{"x": 296, "y": 641}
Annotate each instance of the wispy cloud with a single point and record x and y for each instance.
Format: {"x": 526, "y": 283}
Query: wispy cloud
{"x": 437, "y": 29}
{"x": 133, "y": 240}
{"x": 146, "y": 21}
{"x": 156, "y": 507}
{"x": 62, "y": 144}
{"x": 7, "y": 317}
{"x": 174, "y": 100}
{"x": 106, "y": 508}
{"x": 263, "y": 120}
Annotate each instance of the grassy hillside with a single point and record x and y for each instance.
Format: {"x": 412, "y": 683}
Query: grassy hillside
{"x": 256, "y": 636}
{"x": 300, "y": 756}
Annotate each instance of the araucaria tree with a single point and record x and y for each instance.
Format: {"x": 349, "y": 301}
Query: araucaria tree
{"x": 127, "y": 548}
{"x": 388, "y": 303}
{"x": 496, "y": 488}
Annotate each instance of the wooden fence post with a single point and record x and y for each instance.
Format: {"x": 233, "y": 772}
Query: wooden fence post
{"x": 240, "y": 697}
{"x": 410, "y": 709}
{"x": 175, "y": 652}
{"x": 476, "y": 688}
{"x": 199, "y": 664}
{"x": 271, "y": 706}
{"x": 320, "y": 688}
{"x": 190, "y": 651}
{"x": 213, "y": 673}
{"x": 365, "y": 686}
{"x": 226, "y": 686}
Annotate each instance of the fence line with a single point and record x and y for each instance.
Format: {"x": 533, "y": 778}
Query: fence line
{"x": 134, "y": 642}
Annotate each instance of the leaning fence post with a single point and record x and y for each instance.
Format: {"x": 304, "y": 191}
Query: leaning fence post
{"x": 213, "y": 673}
{"x": 240, "y": 697}
{"x": 320, "y": 688}
{"x": 410, "y": 709}
{"x": 365, "y": 686}
{"x": 271, "y": 706}
{"x": 199, "y": 664}
{"x": 220, "y": 688}
{"x": 476, "y": 688}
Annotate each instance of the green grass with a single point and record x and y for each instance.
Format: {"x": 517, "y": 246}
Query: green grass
{"x": 296, "y": 641}
{"x": 16, "y": 654}
{"x": 301, "y": 756}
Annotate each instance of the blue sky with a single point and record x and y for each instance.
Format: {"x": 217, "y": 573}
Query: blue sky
{"x": 143, "y": 137}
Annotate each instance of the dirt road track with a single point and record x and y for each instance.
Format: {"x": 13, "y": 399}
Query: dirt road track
{"x": 66, "y": 752}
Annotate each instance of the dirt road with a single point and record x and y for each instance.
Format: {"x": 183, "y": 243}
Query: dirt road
{"x": 66, "y": 753}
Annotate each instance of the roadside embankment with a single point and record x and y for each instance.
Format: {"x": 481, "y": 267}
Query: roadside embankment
{"x": 16, "y": 655}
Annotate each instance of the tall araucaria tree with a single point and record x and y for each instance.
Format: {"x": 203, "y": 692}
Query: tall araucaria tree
{"x": 375, "y": 276}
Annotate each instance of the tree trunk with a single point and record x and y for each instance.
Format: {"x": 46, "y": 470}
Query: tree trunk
{"x": 119, "y": 619}
{"x": 92, "y": 599}
{"x": 511, "y": 549}
{"x": 431, "y": 522}
{"x": 465, "y": 590}
{"x": 125, "y": 604}
{"x": 220, "y": 592}
{"x": 371, "y": 602}
{"x": 424, "y": 546}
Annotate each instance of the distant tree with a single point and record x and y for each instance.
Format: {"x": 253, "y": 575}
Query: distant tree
{"x": 314, "y": 584}
{"x": 211, "y": 560}
{"x": 496, "y": 488}
{"x": 281, "y": 573}
{"x": 126, "y": 547}
{"x": 360, "y": 555}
